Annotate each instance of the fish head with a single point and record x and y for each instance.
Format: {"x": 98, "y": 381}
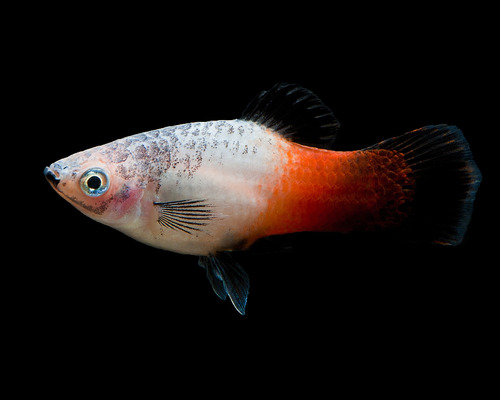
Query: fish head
{"x": 93, "y": 185}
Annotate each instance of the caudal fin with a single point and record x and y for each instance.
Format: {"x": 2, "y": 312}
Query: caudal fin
{"x": 446, "y": 181}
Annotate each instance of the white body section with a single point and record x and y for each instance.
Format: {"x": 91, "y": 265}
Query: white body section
{"x": 232, "y": 166}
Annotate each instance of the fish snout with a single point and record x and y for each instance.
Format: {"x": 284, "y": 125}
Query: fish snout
{"x": 52, "y": 176}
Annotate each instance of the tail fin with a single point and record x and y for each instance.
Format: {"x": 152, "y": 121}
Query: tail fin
{"x": 446, "y": 181}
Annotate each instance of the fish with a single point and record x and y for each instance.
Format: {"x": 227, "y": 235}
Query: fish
{"x": 208, "y": 189}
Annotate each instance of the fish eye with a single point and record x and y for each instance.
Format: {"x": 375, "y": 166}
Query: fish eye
{"x": 94, "y": 182}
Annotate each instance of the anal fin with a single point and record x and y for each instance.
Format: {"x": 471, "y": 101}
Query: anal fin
{"x": 227, "y": 278}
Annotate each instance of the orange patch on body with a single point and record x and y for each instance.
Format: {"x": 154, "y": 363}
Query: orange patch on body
{"x": 323, "y": 190}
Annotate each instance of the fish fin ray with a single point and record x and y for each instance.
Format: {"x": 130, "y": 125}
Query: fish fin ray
{"x": 227, "y": 278}
{"x": 295, "y": 113}
{"x": 446, "y": 181}
{"x": 213, "y": 277}
{"x": 184, "y": 215}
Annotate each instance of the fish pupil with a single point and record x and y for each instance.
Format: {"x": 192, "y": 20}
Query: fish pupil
{"x": 94, "y": 182}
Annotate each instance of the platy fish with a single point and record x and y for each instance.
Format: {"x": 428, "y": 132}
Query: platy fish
{"x": 210, "y": 188}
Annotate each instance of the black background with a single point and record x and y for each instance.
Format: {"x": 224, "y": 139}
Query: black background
{"x": 87, "y": 292}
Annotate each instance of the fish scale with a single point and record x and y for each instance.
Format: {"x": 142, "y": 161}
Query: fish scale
{"x": 338, "y": 191}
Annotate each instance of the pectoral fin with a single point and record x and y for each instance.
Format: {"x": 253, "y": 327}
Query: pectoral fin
{"x": 184, "y": 215}
{"x": 227, "y": 278}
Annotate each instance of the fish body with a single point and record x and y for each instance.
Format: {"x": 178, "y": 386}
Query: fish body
{"x": 208, "y": 188}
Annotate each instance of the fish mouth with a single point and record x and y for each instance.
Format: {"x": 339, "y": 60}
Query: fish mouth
{"x": 51, "y": 177}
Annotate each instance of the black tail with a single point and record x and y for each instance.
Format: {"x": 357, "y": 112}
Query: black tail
{"x": 447, "y": 179}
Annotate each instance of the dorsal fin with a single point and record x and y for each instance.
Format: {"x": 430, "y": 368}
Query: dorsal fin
{"x": 294, "y": 112}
